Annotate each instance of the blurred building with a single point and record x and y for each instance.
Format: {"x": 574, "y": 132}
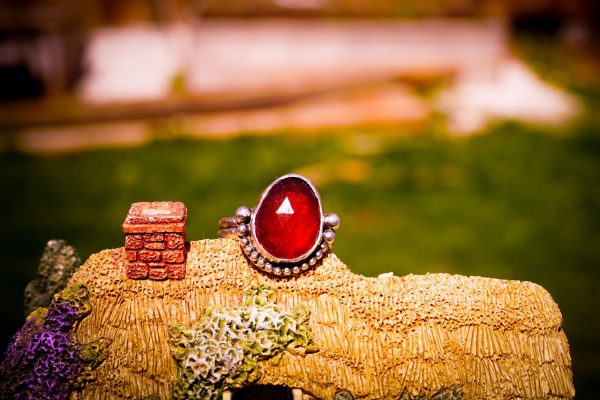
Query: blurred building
{"x": 41, "y": 44}
{"x": 42, "y": 41}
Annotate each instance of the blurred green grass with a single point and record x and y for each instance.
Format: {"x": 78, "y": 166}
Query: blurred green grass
{"x": 516, "y": 203}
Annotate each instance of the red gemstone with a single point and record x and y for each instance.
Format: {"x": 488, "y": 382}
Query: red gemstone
{"x": 288, "y": 220}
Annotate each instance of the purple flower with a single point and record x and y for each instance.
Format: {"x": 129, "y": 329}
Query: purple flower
{"x": 42, "y": 359}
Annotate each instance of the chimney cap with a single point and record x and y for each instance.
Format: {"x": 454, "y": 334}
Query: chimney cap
{"x": 157, "y": 216}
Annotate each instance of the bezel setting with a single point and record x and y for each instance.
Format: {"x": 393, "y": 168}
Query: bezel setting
{"x": 244, "y": 226}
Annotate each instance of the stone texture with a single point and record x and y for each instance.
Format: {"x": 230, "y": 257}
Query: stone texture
{"x": 58, "y": 263}
{"x": 383, "y": 338}
{"x": 175, "y": 241}
{"x": 157, "y": 274}
{"x": 156, "y": 217}
{"x": 176, "y": 271}
{"x": 176, "y": 227}
{"x": 137, "y": 270}
{"x": 134, "y": 242}
{"x": 156, "y": 213}
{"x": 155, "y": 245}
{"x": 173, "y": 256}
{"x": 155, "y": 235}
{"x": 131, "y": 255}
{"x": 149, "y": 255}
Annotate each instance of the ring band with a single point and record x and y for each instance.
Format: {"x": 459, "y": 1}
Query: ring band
{"x": 228, "y": 228}
{"x": 287, "y": 232}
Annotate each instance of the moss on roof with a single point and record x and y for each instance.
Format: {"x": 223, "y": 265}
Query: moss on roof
{"x": 379, "y": 338}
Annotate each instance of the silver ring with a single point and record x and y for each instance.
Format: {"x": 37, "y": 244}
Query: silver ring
{"x": 287, "y": 233}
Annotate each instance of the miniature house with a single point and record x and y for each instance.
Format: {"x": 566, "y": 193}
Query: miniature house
{"x": 155, "y": 242}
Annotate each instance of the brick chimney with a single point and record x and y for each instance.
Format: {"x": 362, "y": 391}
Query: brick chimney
{"x": 155, "y": 241}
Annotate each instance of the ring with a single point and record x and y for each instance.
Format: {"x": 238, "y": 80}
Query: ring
{"x": 287, "y": 232}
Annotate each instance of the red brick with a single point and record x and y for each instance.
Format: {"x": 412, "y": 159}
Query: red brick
{"x": 133, "y": 242}
{"x": 173, "y": 256}
{"x": 155, "y": 245}
{"x": 156, "y": 265}
{"x": 137, "y": 271}
{"x": 154, "y": 237}
{"x": 156, "y": 228}
{"x": 131, "y": 255}
{"x": 176, "y": 271}
{"x": 175, "y": 241}
{"x": 149, "y": 255}
{"x": 158, "y": 274}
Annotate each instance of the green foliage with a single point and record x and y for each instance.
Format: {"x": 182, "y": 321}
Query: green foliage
{"x": 77, "y": 298}
{"x": 92, "y": 355}
{"x": 515, "y": 203}
{"x": 224, "y": 348}
{"x": 442, "y": 394}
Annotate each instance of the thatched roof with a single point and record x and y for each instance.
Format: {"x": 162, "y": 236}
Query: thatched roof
{"x": 379, "y": 338}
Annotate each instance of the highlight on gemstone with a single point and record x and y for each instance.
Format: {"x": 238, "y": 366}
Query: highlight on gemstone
{"x": 288, "y": 220}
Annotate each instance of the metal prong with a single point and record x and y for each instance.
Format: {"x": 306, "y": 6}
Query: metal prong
{"x": 243, "y": 214}
{"x": 243, "y": 230}
{"x": 332, "y": 221}
{"x": 329, "y": 236}
{"x": 297, "y": 394}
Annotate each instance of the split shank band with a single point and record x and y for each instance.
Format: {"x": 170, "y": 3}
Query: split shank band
{"x": 228, "y": 228}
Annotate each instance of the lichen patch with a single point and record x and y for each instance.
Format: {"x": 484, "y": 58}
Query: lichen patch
{"x": 224, "y": 348}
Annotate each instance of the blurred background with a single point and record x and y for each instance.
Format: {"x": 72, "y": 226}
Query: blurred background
{"x": 453, "y": 136}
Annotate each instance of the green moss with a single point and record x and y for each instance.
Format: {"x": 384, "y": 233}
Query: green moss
{"x": 225, "y": 347}
{"x": 38, "y": 315}
{"x": 442, "y": 394}
{"x": 91, "y": 355}
{"x": 519, "y": 202}
{"x": 77, "y": 297}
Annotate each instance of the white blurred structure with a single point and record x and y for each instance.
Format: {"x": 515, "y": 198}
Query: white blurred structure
{"x": 134, "y": 63}
{"x": 513, "y": 92}
{"x": 261, "y": 58}
{"x": 138, "y": 62}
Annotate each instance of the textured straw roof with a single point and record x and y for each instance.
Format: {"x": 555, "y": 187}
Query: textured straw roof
{"x": 379, "y": 338}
